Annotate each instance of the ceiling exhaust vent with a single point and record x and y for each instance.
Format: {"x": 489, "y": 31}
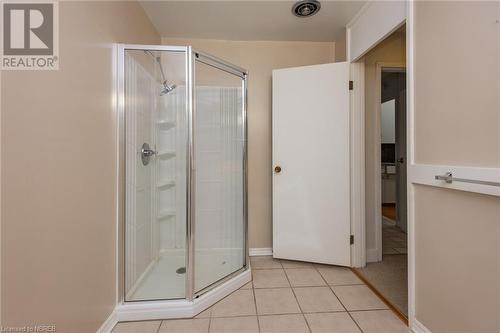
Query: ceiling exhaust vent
{"x": 306, "y": 8}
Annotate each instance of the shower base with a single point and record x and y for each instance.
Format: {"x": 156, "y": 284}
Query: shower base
{"x": 162, "y": 281}
{"x": 163, "y": 270}
{"x": 153, "y": 310}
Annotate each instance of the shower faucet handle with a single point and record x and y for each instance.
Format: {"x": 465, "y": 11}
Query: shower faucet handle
{"x": 146, "y": 153}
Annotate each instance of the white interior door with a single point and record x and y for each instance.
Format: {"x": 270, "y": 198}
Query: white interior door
{"x": 401, "y": 159}
{"x": 311, "y": 203}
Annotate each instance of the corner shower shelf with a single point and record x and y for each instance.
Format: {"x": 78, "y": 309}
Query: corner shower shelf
{"x": 165, "y": 214}
{"x": 165, "y": 184}
{"x": 165, "y": 124}
{"x": 165, "y": 155}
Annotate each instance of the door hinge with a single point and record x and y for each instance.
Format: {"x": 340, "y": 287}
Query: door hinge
{"x": 351, "y": 239}
{"x": 351, "y": 85}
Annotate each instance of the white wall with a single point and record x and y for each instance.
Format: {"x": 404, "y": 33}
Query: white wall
{"x": 388, "y": 122}
{"x": 388, "y": 135}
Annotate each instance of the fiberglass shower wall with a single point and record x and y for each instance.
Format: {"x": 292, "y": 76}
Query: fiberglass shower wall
{"x": 164, "y": 257}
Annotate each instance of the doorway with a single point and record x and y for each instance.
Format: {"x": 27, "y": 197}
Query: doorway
{"x": 386, "y": 271}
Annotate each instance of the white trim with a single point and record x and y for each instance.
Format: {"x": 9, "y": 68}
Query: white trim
{"x": 424, "y": 174}
{"x": 409, "y": 133}
{"x": 118, "y": 82}
{"x": 349, "y": 26}
{"x": 366, "y": 29}
{"x": 0, "y": 203}
{"x": 372, "y": 255}
{"x": 357, "y": 163}
{"x": 418, "y": 327}
{"x": 410, "y": 153}
{"x": 377, "y": 172}
{"x": 108, "y": 324}
{"x": 260, "y": 251}
{"x": 132, "y": 311}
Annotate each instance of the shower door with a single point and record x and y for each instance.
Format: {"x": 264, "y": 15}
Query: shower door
{"x": 219, "y": 177}
{"x": 156, "y": 136}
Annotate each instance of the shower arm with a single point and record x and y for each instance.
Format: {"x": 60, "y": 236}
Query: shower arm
{"x": 158, "y": 60}
{"x": 161, "y": 71}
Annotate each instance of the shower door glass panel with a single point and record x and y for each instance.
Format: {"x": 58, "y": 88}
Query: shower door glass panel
{"x": 155, "y": 171}
{"x": 219, "y": 229}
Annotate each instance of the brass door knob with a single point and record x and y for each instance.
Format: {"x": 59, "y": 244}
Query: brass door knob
{"x": 277, "y": 169}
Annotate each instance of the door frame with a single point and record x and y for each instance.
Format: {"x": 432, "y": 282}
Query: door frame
{"x": 379, "y": 68}
{"x": 358, "y": 145}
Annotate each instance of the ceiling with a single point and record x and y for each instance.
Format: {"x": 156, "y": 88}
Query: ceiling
{"x": 249, "y": 20}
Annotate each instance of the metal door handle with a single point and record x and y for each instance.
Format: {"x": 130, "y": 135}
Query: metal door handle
{"x": 277, "y": 169}
{"x": 401, "y": 160}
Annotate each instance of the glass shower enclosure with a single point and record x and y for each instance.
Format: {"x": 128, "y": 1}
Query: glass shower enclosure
{"x": 183, "y": 156}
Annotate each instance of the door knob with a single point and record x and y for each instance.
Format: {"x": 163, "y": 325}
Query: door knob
{"x": 277, "y": 169}
{"x": 401, "y": 160}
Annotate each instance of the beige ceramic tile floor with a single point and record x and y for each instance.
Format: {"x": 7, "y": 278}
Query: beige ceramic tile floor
{"x": 288, "y": 297}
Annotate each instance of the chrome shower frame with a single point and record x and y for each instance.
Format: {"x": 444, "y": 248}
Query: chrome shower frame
{"x": 195, "y": 301}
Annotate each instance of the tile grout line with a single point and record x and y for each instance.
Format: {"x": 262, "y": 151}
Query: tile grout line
{"x": 296, "y": 300}
{"x": 255, "y": 304}
{"x": 287, "y": 313}
{"x": 333, "y": 292}
{"x": 159, "y": 326}
{"x": 316, "y": 286}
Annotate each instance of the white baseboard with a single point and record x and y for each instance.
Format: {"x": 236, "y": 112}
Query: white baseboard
{"x": 260, "y": 251}
{"x": 372, "y": 255}
{"x": 418, "y": 327}
{"x": 109, "y": 324}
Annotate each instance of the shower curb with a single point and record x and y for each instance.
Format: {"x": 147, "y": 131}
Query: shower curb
{"x": 134, "y": 311}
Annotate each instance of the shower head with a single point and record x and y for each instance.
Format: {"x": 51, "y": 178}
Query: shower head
{"x": 165, "y": 87}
